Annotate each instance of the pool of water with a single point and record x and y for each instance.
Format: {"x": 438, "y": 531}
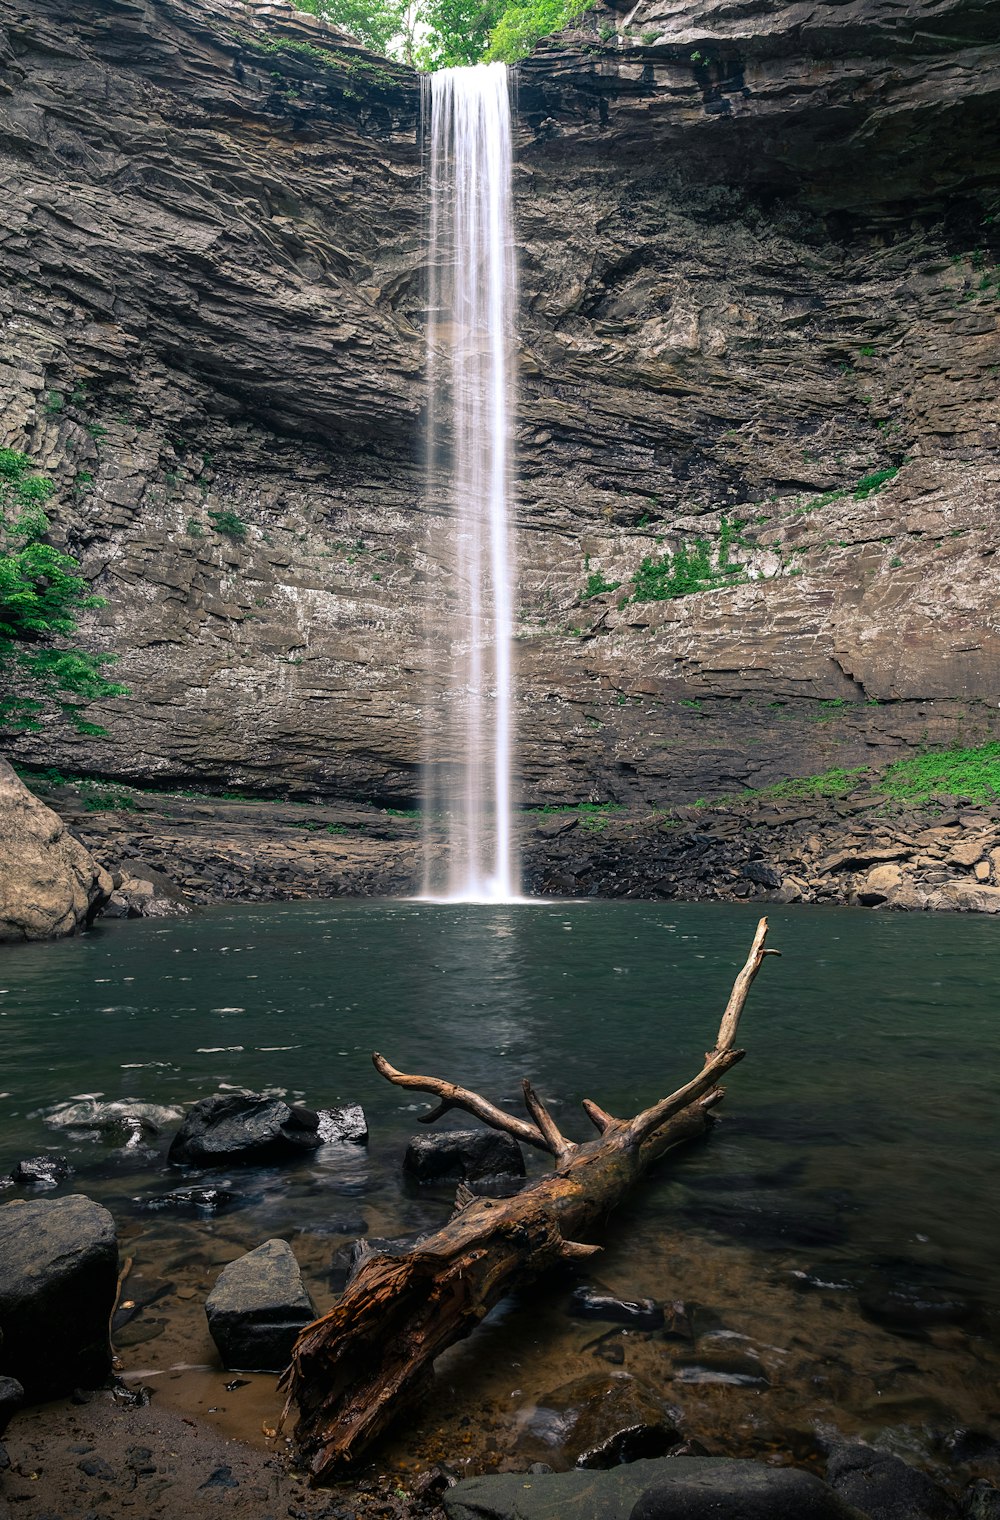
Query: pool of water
{"x": 851, "y": 1174}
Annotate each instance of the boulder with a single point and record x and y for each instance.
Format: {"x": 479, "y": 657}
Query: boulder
{"x": 49, "y": 884}
{"x": 714, "y": 1488}
{"x": 257, "y": 1308}
{"x": 880, "y": 883}
{"x": 145, "y": 892}
{"x": 764, "y": 875}
{"x": 674, "y": 1488}
{"x": 345, "y": 1124}
{"x": 243, "y": 1129}
{"x": 11, "y": 1399}
{"x": 463, "y": 1154}
{"x": 884, "y": 1487}
{"x": 587, "y": 1302}
{"x": 981, "y": 1501}
{"x": 58, "y": 1280}
{"x": 969, "y": 897}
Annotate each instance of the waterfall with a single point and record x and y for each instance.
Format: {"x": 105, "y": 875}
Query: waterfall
{"x": 470, "y": 853}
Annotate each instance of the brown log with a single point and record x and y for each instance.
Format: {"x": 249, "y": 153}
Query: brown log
{"x": 352, "y": 1369}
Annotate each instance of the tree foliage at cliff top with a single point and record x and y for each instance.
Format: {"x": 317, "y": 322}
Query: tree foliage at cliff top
{"x": 41, "y": 592}
{"x": 437, "y": 34}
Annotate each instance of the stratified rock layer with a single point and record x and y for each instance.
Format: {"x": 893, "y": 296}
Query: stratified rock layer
{"x": 760, "y": 291}
{"x": 49, "y": 884}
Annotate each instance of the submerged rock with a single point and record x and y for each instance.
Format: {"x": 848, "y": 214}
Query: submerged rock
{"x": 587, "y": 1302}
{"x": 244, "y": 1129}
{"x": 49, "y": 884}
{"x": 599, "y": 1422}
{"x": 911, "y": 1301}
{"x": 741, "y": 1369}
{"x": 58, "y": 1280}
{"x": 198, "y": 1200}
{"x": 257, "y": 1308}
{"x": 463, "y": 1153}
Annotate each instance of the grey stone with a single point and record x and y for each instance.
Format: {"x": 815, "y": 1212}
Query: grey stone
{"x": 257, "y": 1308}
{"x": 463, "y": 1153}
{"x": 243, "y": 1129}
{"x": 58, "y": 1280}
{"x": 674, "y": 1488}
{"x": 347, "y": 1123}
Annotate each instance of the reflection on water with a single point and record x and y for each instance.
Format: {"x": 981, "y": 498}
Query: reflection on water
{"x": 837, "y": 1229}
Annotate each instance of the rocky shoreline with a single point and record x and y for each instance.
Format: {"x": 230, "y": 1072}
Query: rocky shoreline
{"x": 170, "y": 852}
{"x": 607, "y": 1445}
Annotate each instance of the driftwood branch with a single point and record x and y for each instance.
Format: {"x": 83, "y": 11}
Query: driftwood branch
{"x": 353, "y": 1368}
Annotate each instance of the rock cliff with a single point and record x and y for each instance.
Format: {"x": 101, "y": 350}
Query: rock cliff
{"x": 760, "y": 309}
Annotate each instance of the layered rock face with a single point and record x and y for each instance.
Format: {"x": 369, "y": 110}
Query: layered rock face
{"x": 760, "y": 303}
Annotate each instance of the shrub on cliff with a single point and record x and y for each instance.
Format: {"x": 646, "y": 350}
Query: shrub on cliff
{"x": 41, "y": 593}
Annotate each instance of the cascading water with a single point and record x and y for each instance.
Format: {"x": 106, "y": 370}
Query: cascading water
{"x": 470, "y": 853}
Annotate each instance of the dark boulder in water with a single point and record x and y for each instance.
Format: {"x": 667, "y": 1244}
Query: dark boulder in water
{"x": 257, "y": 1309}
{"x": 884, "y": 1487}
{"x": 58, "y": 1280}
{"x": 244, "y": 1129}
{"x": 42, "y": 1171}
{"x": 463, "y": 1154}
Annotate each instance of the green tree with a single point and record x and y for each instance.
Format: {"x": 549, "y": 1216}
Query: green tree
{"x": 441, "y": 34}
{"x": 377, "y": 23}
{"x": 523, "y": 23}
{"x": 41, "y": 592}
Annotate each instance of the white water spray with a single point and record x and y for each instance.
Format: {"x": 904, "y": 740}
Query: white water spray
{"x": 468, "y": 720}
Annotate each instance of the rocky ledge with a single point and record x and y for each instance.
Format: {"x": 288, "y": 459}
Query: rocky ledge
{"x": 168, "y": 853}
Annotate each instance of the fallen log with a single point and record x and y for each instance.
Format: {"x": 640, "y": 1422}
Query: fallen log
{"x": 352, "y": 1369}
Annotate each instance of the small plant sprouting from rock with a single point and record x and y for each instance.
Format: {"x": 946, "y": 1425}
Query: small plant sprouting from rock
{"x": 691, "y": 568}
{"x": 868, "y": 485}
{"x": 228, "y": 523}
{"x": 597, "y": 585}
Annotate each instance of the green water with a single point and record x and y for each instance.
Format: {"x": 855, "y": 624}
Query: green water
{"x": 866, "y": 1105}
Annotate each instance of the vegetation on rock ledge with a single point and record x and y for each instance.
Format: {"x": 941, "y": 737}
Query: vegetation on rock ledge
{"x": 41, "y": 592}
